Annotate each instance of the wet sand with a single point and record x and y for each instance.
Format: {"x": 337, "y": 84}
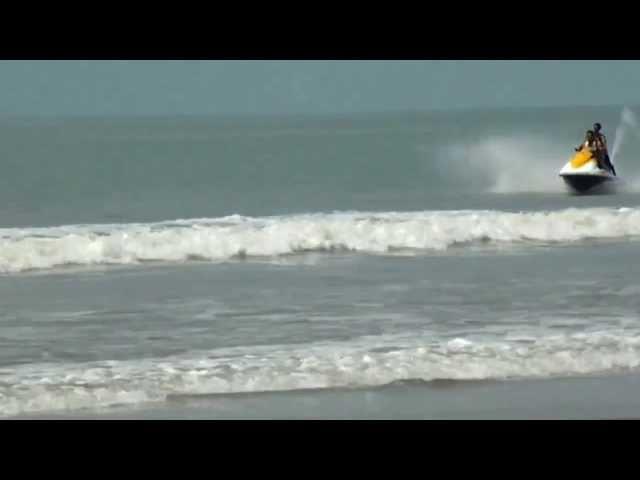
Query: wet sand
{"x": 611, "y": 397}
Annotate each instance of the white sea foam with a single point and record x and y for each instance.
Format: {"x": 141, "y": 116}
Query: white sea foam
{"x": 226, "y": 238}
{"x": 367, "y": 362}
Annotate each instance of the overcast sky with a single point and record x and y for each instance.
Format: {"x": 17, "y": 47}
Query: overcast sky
{"x": 265, "y": 87}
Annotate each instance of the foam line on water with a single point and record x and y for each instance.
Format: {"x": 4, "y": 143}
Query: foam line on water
{"x": 366, "y": 362}
{"x": 372, "y": 233}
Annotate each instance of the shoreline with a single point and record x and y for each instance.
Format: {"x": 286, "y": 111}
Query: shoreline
{"x": 594, "y": 398}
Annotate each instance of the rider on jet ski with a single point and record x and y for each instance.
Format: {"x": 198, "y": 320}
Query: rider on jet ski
{"x": 596, "y": 142}
{"x": 601, "y": 145}
{"x": 589, "y": 143}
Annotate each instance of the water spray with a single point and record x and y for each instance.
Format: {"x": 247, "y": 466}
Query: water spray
{"x": 628, "y": 121}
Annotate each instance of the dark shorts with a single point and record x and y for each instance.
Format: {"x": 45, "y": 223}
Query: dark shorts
{"x": 606, "y": 161}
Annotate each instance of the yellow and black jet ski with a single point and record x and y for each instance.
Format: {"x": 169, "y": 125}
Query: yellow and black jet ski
{"x": 583, "y": 175}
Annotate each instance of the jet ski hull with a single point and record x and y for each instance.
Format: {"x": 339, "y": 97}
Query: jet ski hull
{"x": 585, "y": 183}
{"x": 583, "y": 175}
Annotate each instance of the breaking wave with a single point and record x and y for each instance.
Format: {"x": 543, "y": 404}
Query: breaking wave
{"x": 367, "y": 362}
{"x": 372, "y": 233}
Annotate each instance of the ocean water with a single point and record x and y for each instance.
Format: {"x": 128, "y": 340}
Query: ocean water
{"x": 145, "y": 261}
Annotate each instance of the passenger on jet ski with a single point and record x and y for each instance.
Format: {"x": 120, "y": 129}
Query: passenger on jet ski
{"x": 601, "y": 146}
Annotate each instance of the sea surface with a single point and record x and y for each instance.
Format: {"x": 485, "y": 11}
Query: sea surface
{"x": 300, "y": 267}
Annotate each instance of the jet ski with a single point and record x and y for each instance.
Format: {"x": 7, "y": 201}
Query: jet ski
{"x": 582, "y": 174}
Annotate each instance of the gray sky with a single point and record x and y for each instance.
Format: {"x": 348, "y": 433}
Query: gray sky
{"x": 264, "y": 87}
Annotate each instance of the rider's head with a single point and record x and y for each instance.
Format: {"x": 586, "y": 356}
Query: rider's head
{"x": 597, "y": 127}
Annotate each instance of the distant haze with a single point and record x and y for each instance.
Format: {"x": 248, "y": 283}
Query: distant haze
{"x": 61, "y": 88}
